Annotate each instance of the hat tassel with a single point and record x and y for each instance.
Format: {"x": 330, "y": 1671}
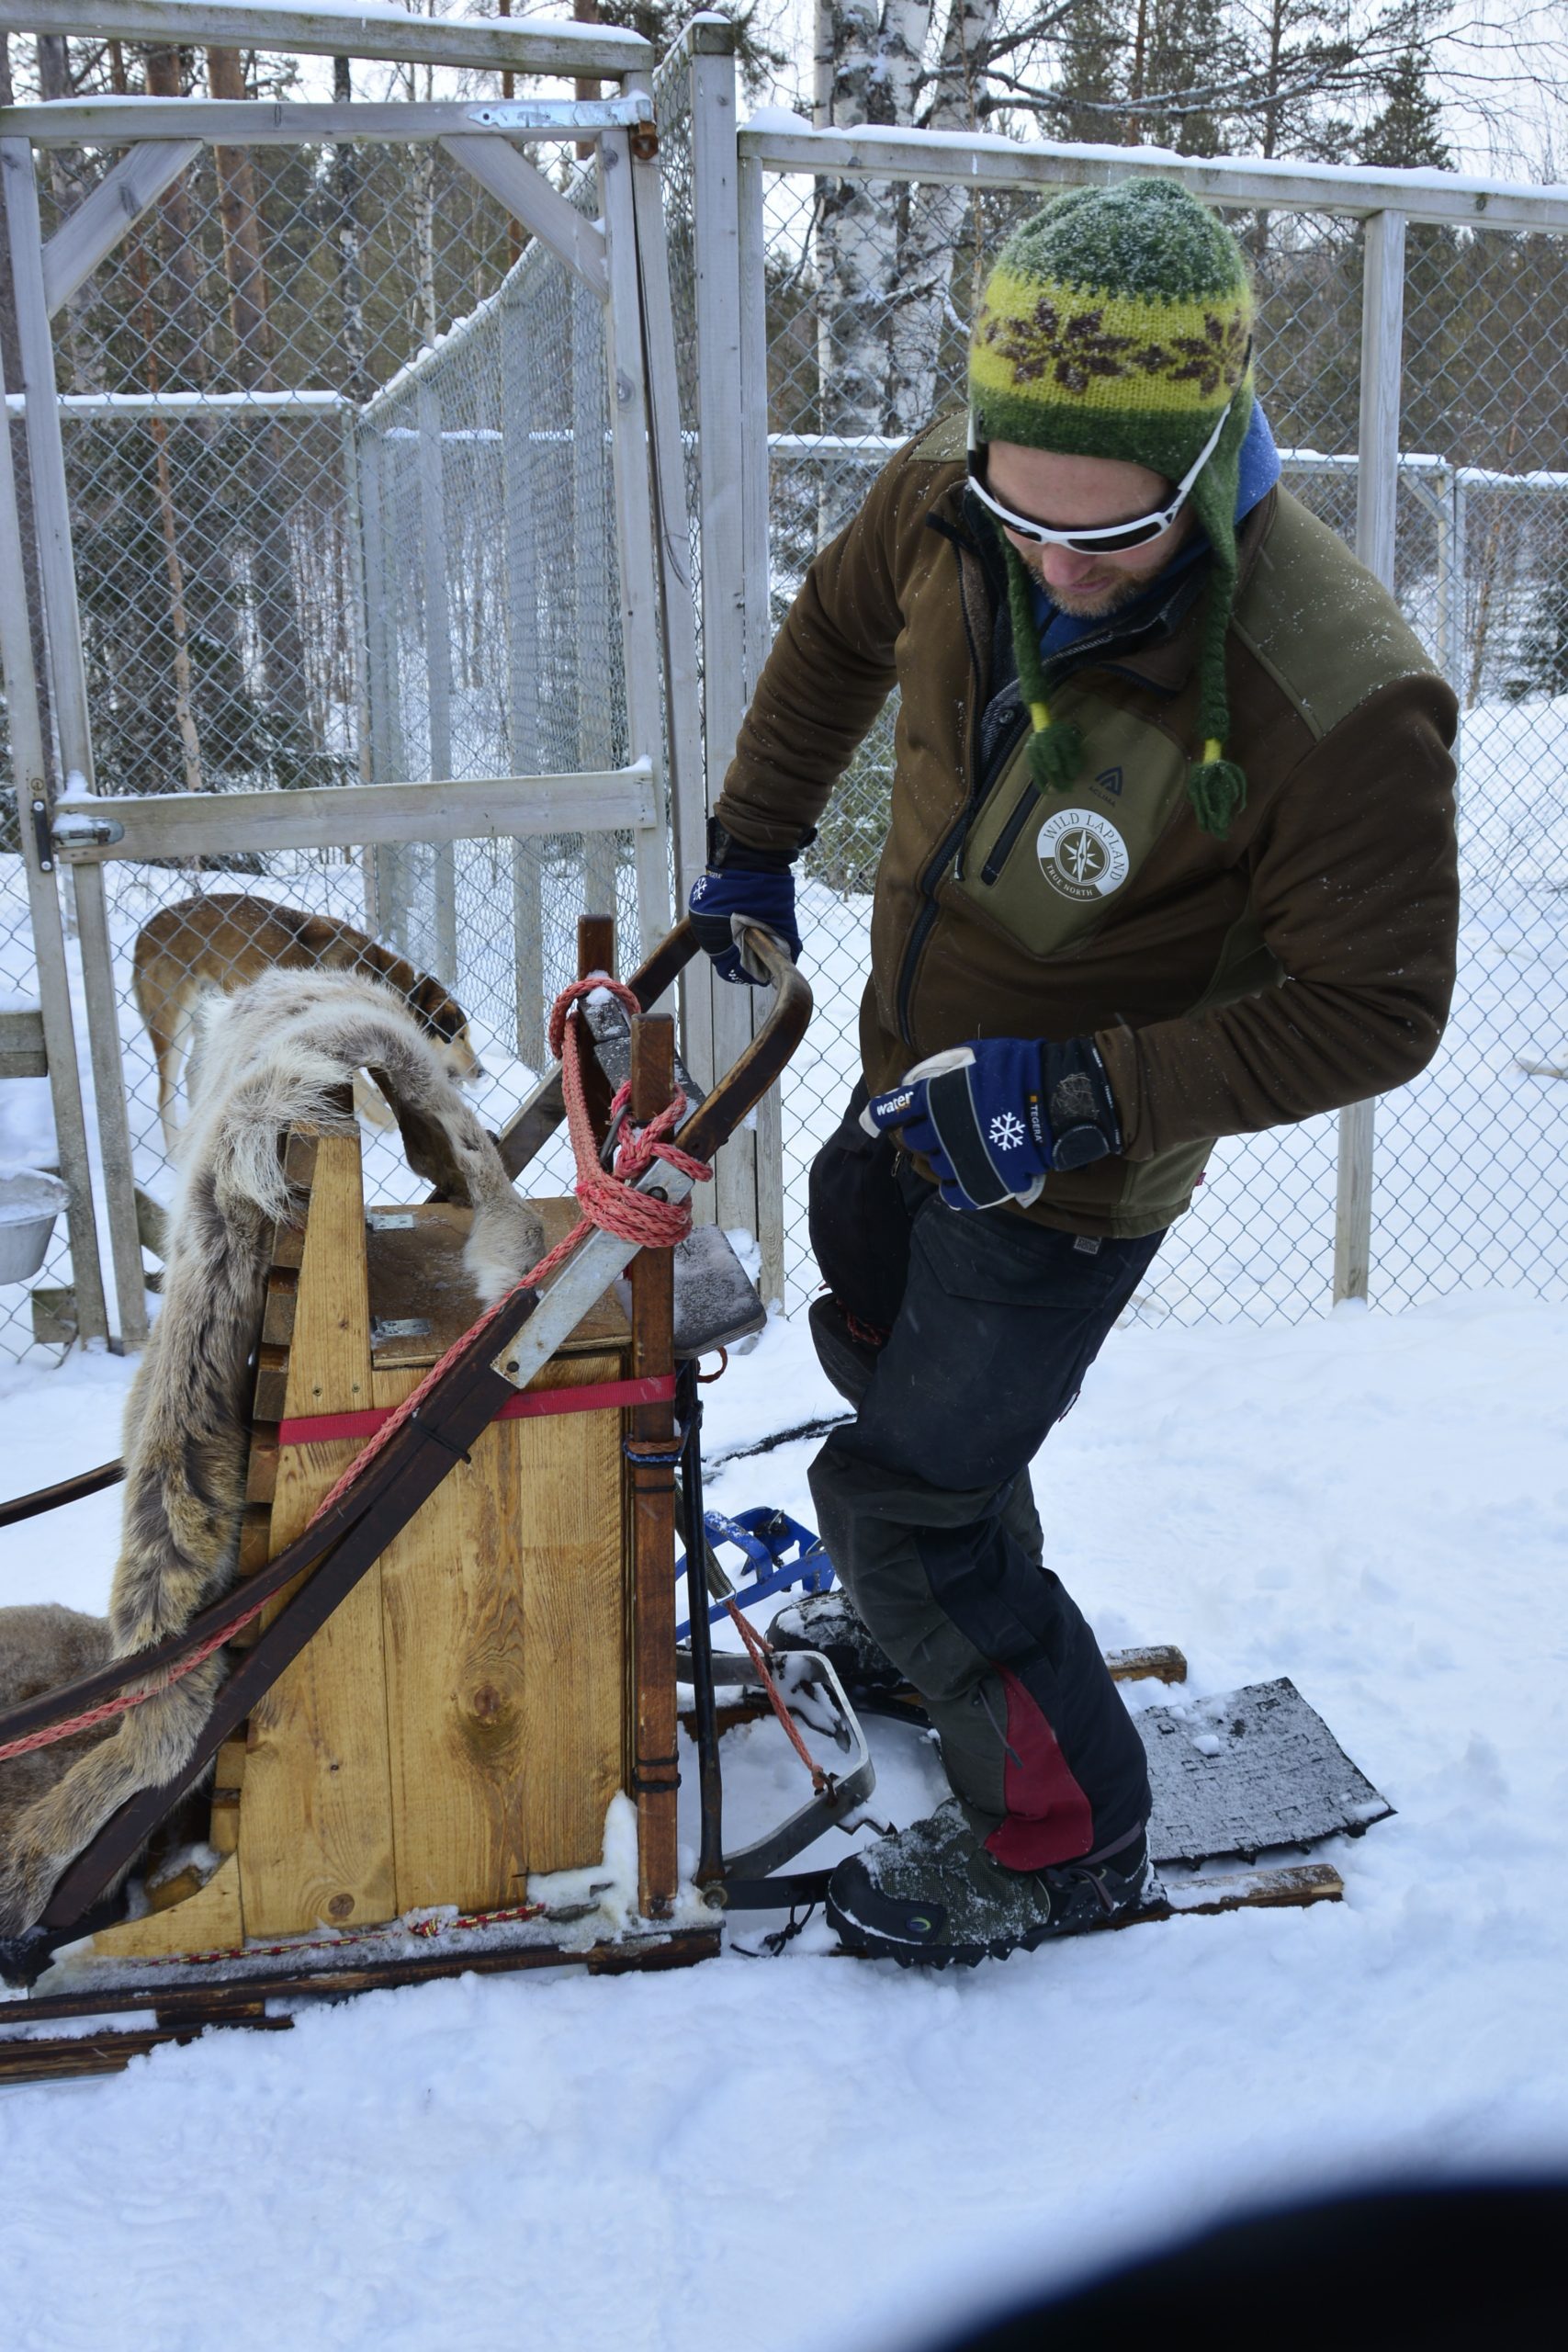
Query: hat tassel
{"x": 1056, "y": 749}
{"x": 1217, "y": 789}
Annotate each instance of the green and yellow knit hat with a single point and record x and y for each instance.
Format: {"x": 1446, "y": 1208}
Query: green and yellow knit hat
{"x": 1117, "y": 322}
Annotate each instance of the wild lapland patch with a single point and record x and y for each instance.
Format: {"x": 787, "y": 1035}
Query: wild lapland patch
{"x": 1081, "y": 854}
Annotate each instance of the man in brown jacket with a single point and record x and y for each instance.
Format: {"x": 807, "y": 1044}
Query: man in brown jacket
{"x": 1171, "y": 857}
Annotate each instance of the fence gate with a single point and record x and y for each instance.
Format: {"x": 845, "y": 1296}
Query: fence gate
{"x": 389, "y": 628}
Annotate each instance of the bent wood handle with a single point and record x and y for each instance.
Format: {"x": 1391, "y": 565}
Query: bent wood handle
{"x": 533, "y": 1124}
{"x": 765, "y": 1058}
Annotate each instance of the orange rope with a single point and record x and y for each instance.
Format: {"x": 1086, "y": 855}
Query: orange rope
{"x": 760, "y": 1654}
{"x": 607, "y": 1200}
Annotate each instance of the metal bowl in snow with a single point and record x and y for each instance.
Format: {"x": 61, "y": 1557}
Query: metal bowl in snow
{"x": 30, "y": 1203}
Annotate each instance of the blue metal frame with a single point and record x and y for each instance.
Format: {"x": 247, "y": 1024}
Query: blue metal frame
{"x": 766, "y": 1536}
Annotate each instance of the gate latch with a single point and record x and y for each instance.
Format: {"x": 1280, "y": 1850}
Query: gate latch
{"x": 74, "y": 830}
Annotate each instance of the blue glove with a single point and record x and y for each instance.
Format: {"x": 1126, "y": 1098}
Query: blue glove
{"x": 994, "y": 1116}
{"x": 725, "y": 899}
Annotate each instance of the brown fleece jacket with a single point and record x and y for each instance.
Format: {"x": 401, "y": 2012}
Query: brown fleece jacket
{"x": 1304, "y": 962}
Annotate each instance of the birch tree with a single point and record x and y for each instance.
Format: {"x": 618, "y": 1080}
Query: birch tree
{"x": 923, "y": 312}
{"x": 867, "y": 70}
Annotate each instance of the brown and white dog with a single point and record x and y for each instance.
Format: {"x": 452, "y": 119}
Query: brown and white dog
{"x": 223, "y": 941}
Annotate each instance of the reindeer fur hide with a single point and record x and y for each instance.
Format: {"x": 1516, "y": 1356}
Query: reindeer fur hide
{"x": 272, "y": 1055}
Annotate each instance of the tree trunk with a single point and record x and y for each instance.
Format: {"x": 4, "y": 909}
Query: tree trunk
{"x": 84, "y": 362}
{"x": 346, "y": 234}
{"x": 179, "y": 249}
{"x": 158, "y": 431}
{"x": 923, "y": 285}
{"x": 272, "y": 581}
{"x": 873, "y": 69}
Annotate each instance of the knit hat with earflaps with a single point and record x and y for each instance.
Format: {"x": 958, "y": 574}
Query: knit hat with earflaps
{"x": 1117, "y": 322}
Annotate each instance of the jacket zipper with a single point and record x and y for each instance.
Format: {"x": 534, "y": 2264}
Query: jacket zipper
{"x": 1002, "y": 847}
{"x": 950, "y": 845}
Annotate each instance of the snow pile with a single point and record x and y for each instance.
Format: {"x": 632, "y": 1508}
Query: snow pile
{"x": 813, "y": 2153}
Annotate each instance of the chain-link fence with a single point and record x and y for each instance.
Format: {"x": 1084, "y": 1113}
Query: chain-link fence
{"x": 870, "y": 287}
{"x": 339, "y": 472}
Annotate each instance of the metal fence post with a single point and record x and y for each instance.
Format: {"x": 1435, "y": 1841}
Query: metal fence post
{"x": 437, "y": 659}
{"x": 69, "y": 678}
{"x": 721, "y": 424}
{"x": 688, "y": 807}
{"x": 389, "y": 920}
{"x": 756, "y": 491}
{"x": 30, "y": 774}
{"x": 634, "y": 511}
{"x": 1377, "y": 492}
{"x": 522, "y": 568}
{"x": 354, "y": 536}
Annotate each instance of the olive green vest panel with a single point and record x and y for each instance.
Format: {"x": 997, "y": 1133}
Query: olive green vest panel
{"x": 946, "y": 443}
{"x": 1326, "y": 632}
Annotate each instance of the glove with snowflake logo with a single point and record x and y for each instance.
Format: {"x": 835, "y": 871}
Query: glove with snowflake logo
{"x": 993, "y": 1117}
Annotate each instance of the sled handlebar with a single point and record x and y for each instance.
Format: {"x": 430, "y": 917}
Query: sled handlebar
{"x": 715, "y": 1120}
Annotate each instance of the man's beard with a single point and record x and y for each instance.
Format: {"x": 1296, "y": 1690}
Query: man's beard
{"x": 1099, "y": 603}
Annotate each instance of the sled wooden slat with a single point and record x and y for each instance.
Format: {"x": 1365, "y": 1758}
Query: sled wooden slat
{"x": 504, "y": 1674}
{"x": 461, "y": 1719}
{"x": 209, "y": 1920}
{"x": 577, "y": 1569}
{"x": 315, "y": 1817}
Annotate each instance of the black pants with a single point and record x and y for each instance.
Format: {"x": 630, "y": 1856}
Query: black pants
{"x": 924, "y": 1501}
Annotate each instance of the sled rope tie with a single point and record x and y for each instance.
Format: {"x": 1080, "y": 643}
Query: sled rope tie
{"x": 760, "y": 1657}
{"x": 607, "y": 1199}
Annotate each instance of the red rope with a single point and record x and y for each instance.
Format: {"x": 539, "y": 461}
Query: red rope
{"x": 607, "y": 1201}
{"x": 760, "y": 1655}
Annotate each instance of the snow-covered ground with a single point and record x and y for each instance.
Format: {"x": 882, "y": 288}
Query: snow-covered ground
{"x": 808, "y": 2152}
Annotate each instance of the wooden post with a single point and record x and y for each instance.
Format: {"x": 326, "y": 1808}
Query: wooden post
{"x": 656, "y": 1772}
{"x": 1377, "y": 492}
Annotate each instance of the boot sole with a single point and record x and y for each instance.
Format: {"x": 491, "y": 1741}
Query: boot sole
{"x": 859, "y": 1942}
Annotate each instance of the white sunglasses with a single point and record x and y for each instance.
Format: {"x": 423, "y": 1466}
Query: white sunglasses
{"x": 1110, "y": 538}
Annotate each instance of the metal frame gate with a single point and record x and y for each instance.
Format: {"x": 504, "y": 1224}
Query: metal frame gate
{"x": 619, "y": 260}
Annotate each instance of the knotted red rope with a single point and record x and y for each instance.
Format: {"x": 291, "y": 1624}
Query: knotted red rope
{"x": 761, "y": 1658}
{"x": 607, "y": 1200}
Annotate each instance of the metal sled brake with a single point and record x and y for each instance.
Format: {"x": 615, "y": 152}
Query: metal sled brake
{"x": 457, "y": 1667}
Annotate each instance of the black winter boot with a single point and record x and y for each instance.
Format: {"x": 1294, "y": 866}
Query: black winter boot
{"x": 831, "y": 1622}
{"x": 932, "y": 1896}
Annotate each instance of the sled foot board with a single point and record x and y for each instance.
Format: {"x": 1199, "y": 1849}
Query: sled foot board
{"x": 1293, "y": 1886}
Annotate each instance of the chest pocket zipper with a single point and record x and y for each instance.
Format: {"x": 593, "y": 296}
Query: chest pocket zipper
{"x": 1002, "y": 847}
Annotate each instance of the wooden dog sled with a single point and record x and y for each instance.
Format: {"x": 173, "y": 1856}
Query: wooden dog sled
{"x": 458, "y": 1645}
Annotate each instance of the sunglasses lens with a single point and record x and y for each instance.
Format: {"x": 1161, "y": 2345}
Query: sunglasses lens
{"x": 1136, "y": 535}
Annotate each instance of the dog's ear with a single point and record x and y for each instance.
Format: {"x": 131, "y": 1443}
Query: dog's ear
{"x": 437, "y": 1008}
